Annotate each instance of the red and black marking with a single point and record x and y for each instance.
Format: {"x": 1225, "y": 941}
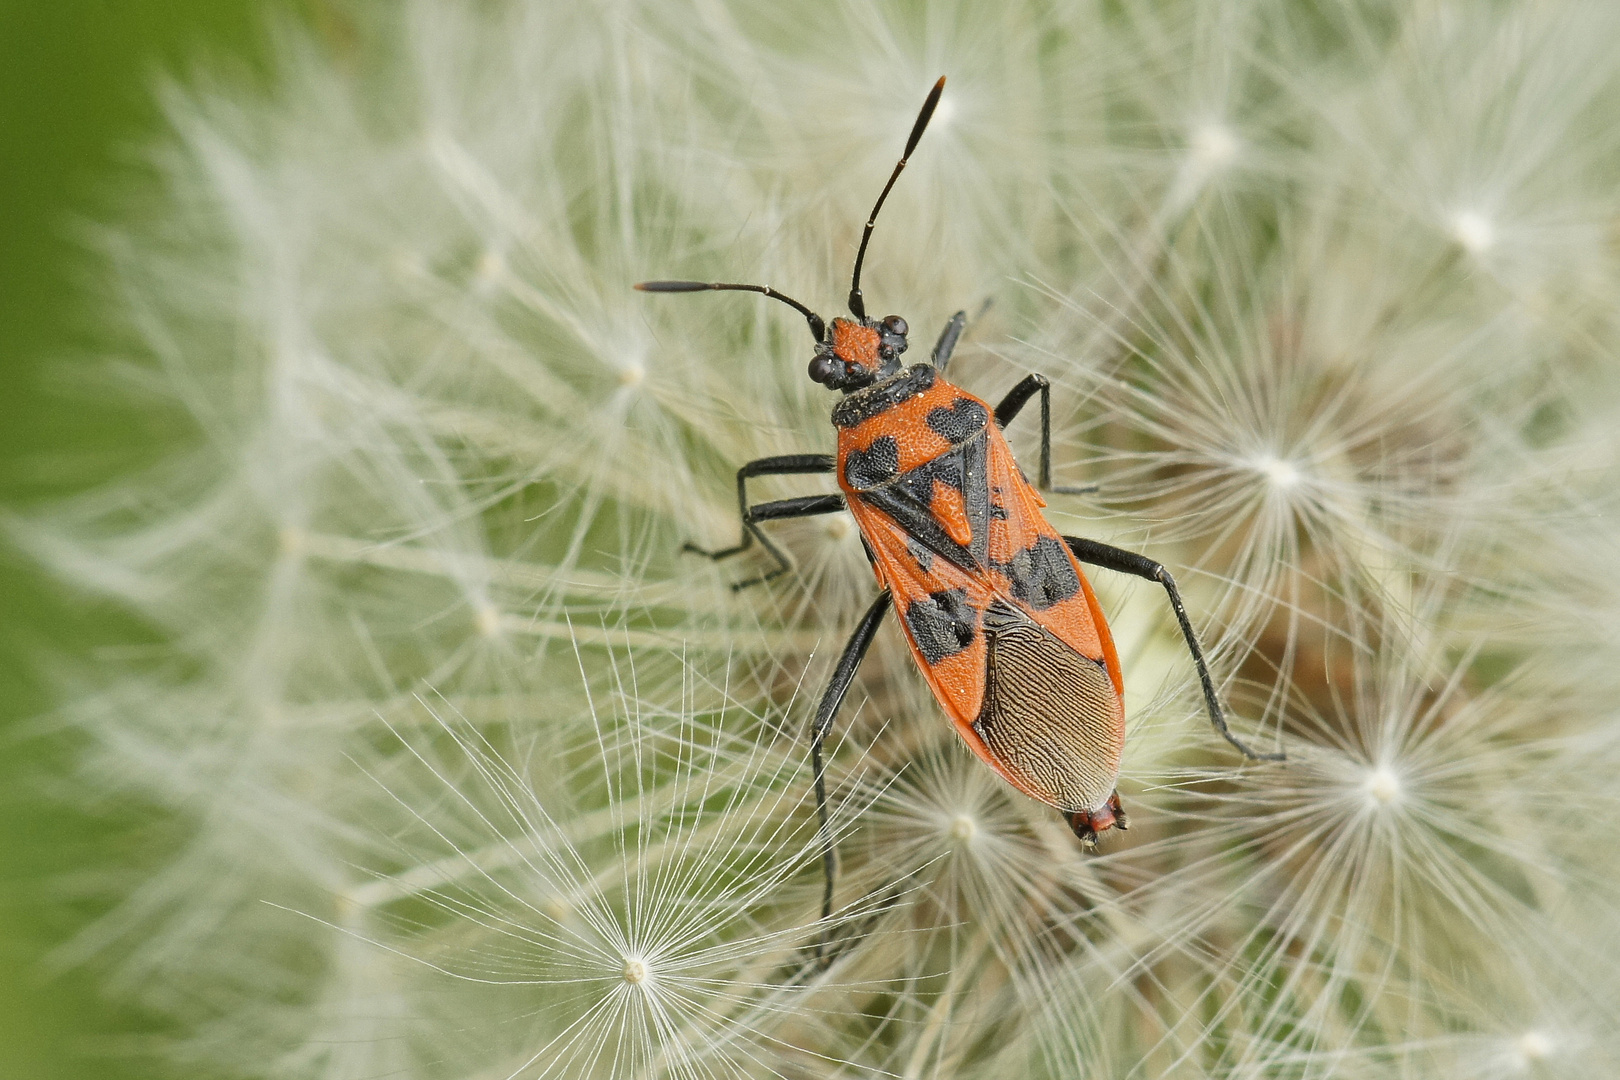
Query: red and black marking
{"x": 941, "y": 624}
{"x": 998, "y": 617}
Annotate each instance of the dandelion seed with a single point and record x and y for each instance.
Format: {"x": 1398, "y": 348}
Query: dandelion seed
{"x": 408, "y": 264}
{"x": 1474, "y": 231}
{"x": 1213, "y": 147}
{"x": 1384, "y": 787}
{"x": 1534, "y": 1046}
{"x": 488, "y": 621}
{"x": 489, "y": 272}
{"x": 1282, "y": 474}
{"x": 637, "y": 966}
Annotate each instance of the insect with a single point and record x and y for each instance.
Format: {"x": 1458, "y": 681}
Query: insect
{"x": 999, "y": 615}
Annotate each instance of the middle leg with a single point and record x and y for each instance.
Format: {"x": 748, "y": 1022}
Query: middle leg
{"x": 843, "y": 674}
{"x": 805, "y": 506}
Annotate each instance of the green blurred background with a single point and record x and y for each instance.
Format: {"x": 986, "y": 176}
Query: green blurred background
{"x": 76, "y": 106}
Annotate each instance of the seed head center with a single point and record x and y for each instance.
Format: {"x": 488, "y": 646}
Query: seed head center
{"x": 1282, "y": 474}
{"x": 1384, "y": 787}
{"x": 1535, "y": 1046}
{"x": 1214, "y": 145}
{"x": 1474, "y": 231}
{"x": 488, "y": 621}
{"x": 635, "y": 971}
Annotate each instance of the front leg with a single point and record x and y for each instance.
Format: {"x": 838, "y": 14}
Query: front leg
{"x": 807, "y": 506}
{"x": 947, "y": 341}
{"x": 1129, "y": 562}
{"x": 1014, "y": 403}
{"x": 946, "y": 345}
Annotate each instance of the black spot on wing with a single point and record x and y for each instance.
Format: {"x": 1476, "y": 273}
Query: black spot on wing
{"x": 1041, "y": 574}
{"x": 976, "y": 492}
{"x": 918, "y": 484}
{"x": 913, "y": 517}
{"x": 942, "y": 625}
{"x": 877, "y": 464}
{"x": 964, "y": 419}
{"x": 908, "y": 501}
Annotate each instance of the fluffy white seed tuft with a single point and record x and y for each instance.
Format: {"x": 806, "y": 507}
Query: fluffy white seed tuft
{"x": 458, "y": 761}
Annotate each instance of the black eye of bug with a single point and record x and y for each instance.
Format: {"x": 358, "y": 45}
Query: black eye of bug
{"x": 821, "y": 368}
{"x": 894, "y": 324}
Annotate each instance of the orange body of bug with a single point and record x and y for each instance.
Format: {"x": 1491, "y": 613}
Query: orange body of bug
{"x": 999, "y": 616}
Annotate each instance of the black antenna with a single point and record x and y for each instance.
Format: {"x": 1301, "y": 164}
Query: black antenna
{"x": 857, "y": 306}
{"x": 817, "y": 327}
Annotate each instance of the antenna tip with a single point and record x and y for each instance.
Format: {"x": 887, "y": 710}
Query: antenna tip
{"x": 672, "y": 286}
{"x": 923, "y": 117}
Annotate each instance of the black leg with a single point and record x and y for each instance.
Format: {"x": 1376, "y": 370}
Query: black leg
{"x": 786, "y": 465}
{"x": 947, "y": 341}
{"x": 843, "y": 674}
{"x": 1014, "y": 403}
{"x": 1129, "y": 562}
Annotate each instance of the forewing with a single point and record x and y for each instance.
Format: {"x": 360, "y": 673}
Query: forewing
{"x": 1034, "y": 568}
{"x": 941, "y": 608}
{"x": 999, "y": 616}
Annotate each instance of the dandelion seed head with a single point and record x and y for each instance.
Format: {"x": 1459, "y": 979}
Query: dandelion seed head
{"x": 962, "y": 828}
{"x": 1213, "y": 146}
{"x": 636, "y": 970}
{"x": 290, "y": 540}
{"x": 489, "y": 271}
{"x": 1534, "y": 1046}
{"x": 487, "y": 620}
{"x": 408, "y": 263}
{"x": 1281, "y": 473}
{"x": 1474, "y": 231}
{"x": 1384, "y": 787}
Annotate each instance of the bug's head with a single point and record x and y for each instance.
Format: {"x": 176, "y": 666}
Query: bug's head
{"x": 856, "y": 354}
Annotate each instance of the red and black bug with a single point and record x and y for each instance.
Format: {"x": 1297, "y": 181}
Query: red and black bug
{"x": 1000, "y": 618}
